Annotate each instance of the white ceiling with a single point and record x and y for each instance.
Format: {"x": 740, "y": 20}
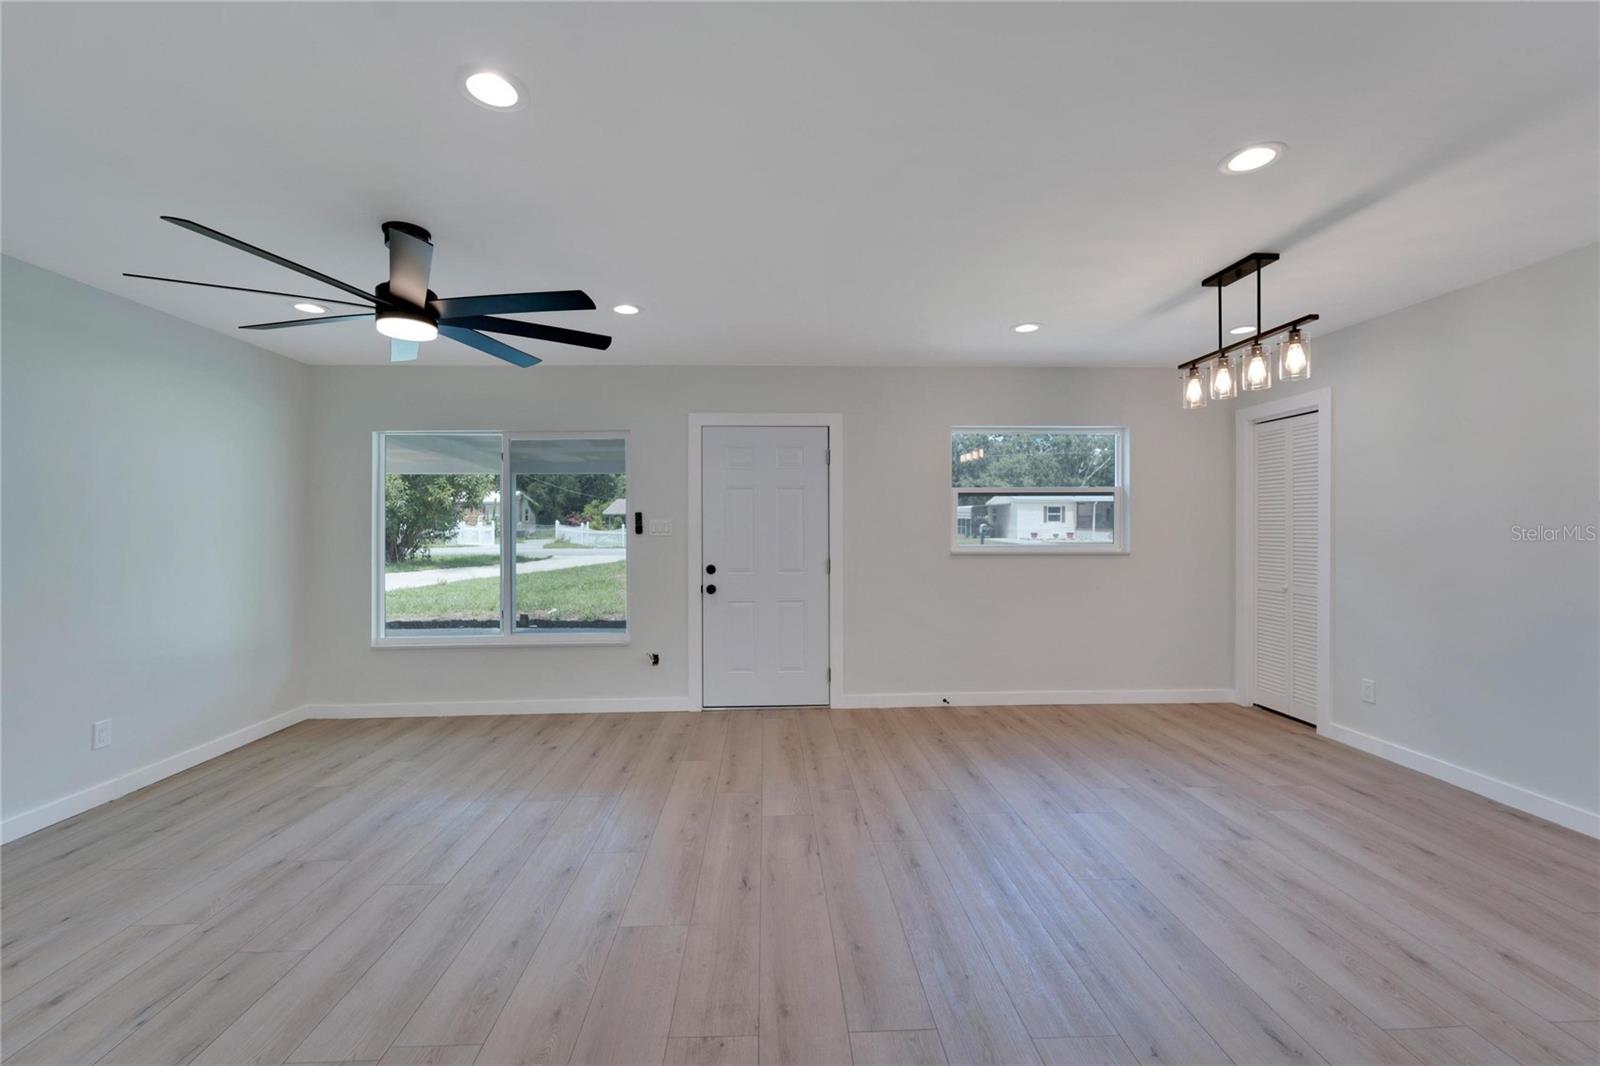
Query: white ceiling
{"x": 808, "y": 184}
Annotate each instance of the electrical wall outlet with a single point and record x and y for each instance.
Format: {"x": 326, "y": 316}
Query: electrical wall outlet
{"x": 1369, "y": 690}
{"x": 101, "y": 736}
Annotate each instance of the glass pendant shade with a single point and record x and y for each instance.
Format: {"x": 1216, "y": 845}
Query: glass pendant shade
{"x": 1224, "y": 378}
{"x": 1294, "y": 357}
{"x": 1194, "y": 389}
{"x": 1255, "y": 374}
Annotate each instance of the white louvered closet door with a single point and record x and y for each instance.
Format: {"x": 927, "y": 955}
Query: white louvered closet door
{"x": 1286, "y": 556}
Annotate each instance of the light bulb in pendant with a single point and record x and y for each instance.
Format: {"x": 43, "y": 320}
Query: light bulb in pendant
{"x": 1294, "y": 358}
{"x": 1224, "y": 379}
{"x": 1257, "y": 375}
{"x": 1194, "y": 389}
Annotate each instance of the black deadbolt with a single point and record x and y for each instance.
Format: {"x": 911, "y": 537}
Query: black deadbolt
{"x": 711, "y": 590}
{"x": 711, "y": 568}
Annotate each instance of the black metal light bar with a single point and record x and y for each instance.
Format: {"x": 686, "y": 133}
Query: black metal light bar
{"x": 1236, "y": 345}
{"x": 1233, "y": 272}
{"x": 1253, "y": 263}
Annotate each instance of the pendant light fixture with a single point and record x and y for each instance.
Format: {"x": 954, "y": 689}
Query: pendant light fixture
{"x": 1294, "y": 357}
{"x": 1223, "y": 374}
{"x": 1255, "y": 375}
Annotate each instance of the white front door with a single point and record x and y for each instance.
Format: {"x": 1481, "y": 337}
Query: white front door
{"x": 1287, "y": 552}
{"x": 764, "y": 565}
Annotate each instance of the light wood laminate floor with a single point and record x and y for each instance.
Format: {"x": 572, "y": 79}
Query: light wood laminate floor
{"x": 1173, "y": 884}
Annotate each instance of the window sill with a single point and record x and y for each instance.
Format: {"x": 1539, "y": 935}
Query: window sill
{"x": 515, "y": 640}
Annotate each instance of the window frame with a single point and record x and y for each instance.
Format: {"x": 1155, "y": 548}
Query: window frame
{"x": 1118, "y": 493}
{"x": 507, "y": 635}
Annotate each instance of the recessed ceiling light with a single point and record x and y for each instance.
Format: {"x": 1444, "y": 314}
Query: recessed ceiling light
{"x": 625, "y": 309}
{"x": 1025, "y": 327}
{"x": 311, "y": 309}
{"x": 492, "y": 89}
{"x": 1239, "y": 331}
{"x": 1251, "y": 157}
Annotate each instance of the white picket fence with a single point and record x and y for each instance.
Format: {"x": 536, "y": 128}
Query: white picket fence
{"x": 589, "y": 538}
{"x": 480, "y": 535}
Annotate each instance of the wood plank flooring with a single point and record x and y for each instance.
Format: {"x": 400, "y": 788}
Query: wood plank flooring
{"x": 1130, "y": 884}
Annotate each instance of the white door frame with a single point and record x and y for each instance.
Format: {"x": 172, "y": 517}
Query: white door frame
{"x": 835, "y": 426}
{"x": 1244, "y": 436}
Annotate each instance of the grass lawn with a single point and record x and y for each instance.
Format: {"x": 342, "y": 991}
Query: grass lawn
{"x": 579, "y": 594}
{"x": 452, "y": 562}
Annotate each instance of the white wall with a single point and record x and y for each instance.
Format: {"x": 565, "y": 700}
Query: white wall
{"x": 1455, "y": 420}
{"x": 917, "y": 620}
{"x": 154, "y": 477}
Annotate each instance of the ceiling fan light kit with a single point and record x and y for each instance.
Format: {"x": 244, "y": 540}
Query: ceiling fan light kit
{"x": 1225, "y": 375}
{"x": 409, "y": 313}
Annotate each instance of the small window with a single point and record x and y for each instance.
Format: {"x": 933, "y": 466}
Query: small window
{"x": 1039, "y": 489}
{"x": 460, "y": 560}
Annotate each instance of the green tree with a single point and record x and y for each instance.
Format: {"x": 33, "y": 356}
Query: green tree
{"x": 423, "y": 509}
{"x": 1032, "y": 460}
{"x": 555, "y": 497}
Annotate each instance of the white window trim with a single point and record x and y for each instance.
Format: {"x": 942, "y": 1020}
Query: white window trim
{"x": 506, "y": 636}
{"x": 1122, "y": 523}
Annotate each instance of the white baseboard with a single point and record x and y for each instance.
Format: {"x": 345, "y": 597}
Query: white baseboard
{"x": 1526, "y": 800}
{"x": 47, "y": 814}
{"x": 442, "y": 709}
{"x": 473, "y": 707}
{"x": 1013, "y": 699}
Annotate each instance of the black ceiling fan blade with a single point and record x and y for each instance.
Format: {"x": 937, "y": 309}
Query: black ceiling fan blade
{"x": 234, "y": 242}
{"x": 514, "y": 303}
{"x": 315, "y": 320}
{"x": 534, "y": 330}
{"x": 410, "y": 260}
{"x": 239, "y": 288}
{"x": 487, "y": 345}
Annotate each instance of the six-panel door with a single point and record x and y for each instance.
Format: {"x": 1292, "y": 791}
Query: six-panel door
{"x": 764, "y": 565}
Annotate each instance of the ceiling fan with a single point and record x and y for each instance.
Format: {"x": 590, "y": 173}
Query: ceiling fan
{"x": 407, "y": 312}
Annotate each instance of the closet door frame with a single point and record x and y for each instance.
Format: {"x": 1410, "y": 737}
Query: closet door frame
{"x": 1244, "y": 647}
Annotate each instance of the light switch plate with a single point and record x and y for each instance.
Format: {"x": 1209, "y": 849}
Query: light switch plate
{"x": 660, "y": 527}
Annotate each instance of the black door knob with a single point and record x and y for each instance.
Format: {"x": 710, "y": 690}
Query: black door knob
{"x": 711, "y": 590}
{"x": 711, "y": 568}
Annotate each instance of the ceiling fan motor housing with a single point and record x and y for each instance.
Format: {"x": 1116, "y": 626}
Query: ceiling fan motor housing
{"x": 424, "y": 311}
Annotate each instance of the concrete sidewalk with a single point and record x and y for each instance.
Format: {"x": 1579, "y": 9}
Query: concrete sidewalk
{"x": 559, "y": 560}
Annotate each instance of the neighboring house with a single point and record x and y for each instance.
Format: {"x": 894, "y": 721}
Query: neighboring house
{"x": 477, "y": 527}
{"x": 617, "y": 508}
{"x": 1038, "y": 518}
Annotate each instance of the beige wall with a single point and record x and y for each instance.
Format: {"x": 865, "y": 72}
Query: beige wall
{"x": 154, "y": 475}
{"x": 1454, "y": 421}
{"x": 917, "y": 620}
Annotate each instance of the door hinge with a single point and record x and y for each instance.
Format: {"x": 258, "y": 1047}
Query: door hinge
{"x": 827, "y": 566}
{"x": 827, "y": 457}
{"x": 830, "y": 673}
